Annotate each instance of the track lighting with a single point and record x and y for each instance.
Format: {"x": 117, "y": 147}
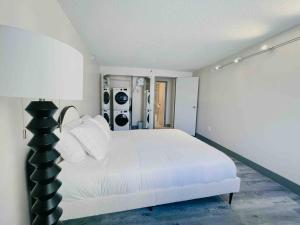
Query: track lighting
{"x": 237, "y": 60}
{"x": 264, "y": 48}
{"x": 218, "y": 67}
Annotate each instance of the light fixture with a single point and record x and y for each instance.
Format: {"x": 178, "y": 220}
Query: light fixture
{"x": 218, "y": 67}
{"x": 237, "y": 60}
{"x": 36, "y": 66}
{"x": 264, "y": 47}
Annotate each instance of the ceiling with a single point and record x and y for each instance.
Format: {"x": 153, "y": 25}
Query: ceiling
{"x": 176, "y": 34}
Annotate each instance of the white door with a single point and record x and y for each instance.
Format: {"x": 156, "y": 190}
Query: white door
{"x": 186, "y": 104}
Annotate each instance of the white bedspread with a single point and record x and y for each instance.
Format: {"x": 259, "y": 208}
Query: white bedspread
{"x": 143, "y": 160}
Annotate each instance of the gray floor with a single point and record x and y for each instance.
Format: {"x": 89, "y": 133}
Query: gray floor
{"x": 260, "y": 201}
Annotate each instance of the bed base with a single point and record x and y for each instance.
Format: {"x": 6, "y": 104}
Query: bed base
{"x": 117, "y": 203}
{"x": 229, "y": 201}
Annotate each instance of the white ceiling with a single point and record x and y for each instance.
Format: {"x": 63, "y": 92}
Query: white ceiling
{"x": 176, "y": 34}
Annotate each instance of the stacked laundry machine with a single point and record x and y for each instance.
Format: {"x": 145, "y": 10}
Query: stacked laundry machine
{"x": 116, "y": 107}
{"x": 121, "y": 108}
{"x": 106, "y": 105}
{"x": 125, "y": 102}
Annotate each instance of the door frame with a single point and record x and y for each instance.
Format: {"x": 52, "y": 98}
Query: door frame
{"x": 165, "y": 107}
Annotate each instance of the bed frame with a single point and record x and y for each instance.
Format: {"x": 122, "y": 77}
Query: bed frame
{"x": 110, "y": 204}
{"x": 149, "y": 199}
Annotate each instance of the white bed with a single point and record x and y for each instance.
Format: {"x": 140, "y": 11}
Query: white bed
{"x": 145, "y": 168}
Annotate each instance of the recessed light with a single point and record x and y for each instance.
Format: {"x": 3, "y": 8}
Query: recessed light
{"x": 264, "y": 47}
{"x": 238, "y": 59}
{"x": 218, "y": 67}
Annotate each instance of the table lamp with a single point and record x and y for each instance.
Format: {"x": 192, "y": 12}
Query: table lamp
{"x": 36, "y": 66}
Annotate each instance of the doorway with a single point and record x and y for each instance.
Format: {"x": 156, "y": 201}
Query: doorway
{"x": 160, "y": 104}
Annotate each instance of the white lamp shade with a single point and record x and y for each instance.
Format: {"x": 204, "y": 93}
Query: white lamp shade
{"x": 36, "y": 66}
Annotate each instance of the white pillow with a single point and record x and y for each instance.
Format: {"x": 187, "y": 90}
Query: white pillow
{"x": 92, "y": 138}
{"x": 101, "y": 122}
{"x": 70, "y": 125}
{"x": 85, "y": 118}
{"x": 74, "y": 123}
{"x": 69, "y": 148}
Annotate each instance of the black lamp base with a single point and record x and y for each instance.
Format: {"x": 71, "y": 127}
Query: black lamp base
{"x": 43, "y": 170}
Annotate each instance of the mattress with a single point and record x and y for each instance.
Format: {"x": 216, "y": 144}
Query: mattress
{"x": 144, "y": 160}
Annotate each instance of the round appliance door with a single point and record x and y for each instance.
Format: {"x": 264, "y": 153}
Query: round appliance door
{"x": 121, "y": 120}
{"x": 121, "y": 98}
{"x": 106, "y": 116}
{"x": 106, "y": 97}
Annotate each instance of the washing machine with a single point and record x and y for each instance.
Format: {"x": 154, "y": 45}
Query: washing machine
{"x": 106, "y": 115}
{"x": 106, "y": 98}
{"x": 121, "y": 98}
{"x": 121, "y": 120}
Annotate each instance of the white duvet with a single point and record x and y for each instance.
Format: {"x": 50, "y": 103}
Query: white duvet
{"x": 143, "y": 160}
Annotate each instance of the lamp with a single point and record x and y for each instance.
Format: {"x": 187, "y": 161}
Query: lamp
{"x": 36, "y": 66}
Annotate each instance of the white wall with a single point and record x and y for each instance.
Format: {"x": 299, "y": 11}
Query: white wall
{"x": 120, "y": 82}
{"x": 253, "y": 107}
{"x": 48, "y": 18}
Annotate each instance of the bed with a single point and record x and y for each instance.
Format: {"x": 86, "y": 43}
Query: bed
{"x": 145, "y": 168}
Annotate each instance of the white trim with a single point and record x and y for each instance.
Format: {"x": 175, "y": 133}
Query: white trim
{"x": 142, "y": 72}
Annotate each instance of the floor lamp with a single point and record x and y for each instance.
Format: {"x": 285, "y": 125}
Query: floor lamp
{"x": 36, "y": 66}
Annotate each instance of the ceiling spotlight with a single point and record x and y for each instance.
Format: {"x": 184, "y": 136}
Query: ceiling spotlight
{"x": 238, "y": 59}
{"x": 218, "y": 67}
{"x": 264, "y": 47}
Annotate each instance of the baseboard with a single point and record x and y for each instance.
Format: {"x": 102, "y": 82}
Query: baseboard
{"x": 274, "y": 176}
